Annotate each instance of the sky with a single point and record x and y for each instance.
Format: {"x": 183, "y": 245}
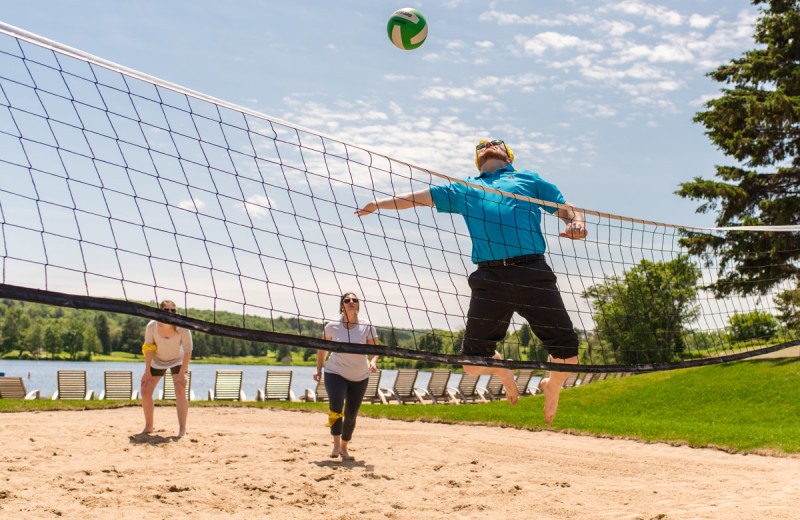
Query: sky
{"x": 597, "y": 97}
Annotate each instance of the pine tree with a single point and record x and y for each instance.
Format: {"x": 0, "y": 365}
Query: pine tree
{"x": 756, "y": 121}
{"x": 103, "y": 332}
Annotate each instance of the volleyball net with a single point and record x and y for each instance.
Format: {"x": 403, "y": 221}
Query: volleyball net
{"x": 118, "y": 190}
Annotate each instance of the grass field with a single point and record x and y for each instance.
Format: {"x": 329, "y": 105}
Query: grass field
{"x": 749, "y": 407}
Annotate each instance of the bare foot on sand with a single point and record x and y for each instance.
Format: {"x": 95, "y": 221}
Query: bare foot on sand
{"x": 346, "y": 455}
{"x": 550, "y": 400}
{"x": 182, "y": 434}
{"x": 510, "y": 384}
{"x": 147, "y": 430}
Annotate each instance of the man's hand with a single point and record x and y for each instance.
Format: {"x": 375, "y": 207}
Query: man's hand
{"x": 366, "y": 210}
{"x": 575, "y": 231}
{"x": 146, "y": 377}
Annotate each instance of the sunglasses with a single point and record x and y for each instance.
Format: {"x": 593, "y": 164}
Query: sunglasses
{"x": 168, "y": 309}
{"x": 496, "y": 142}
{"x": 350, "y": 300}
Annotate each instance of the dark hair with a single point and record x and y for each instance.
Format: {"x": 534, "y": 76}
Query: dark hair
{"x": 341, "y": 301}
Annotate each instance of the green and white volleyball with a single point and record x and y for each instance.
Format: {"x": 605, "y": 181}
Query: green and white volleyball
{"x": 407, "y": 28}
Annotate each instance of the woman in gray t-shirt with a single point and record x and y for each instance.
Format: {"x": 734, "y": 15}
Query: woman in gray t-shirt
{"x": 346, "y": 375}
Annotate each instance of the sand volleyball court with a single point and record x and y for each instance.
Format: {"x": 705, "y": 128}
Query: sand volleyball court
{"x": 247, "y": 462}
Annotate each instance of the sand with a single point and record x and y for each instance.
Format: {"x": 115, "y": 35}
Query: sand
{"x": 244, "y": 463}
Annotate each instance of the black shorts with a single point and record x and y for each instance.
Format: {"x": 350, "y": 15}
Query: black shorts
{"x": 161, "y": 371}
{"x": 529, "y": 289}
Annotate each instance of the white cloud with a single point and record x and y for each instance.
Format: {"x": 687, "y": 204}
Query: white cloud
{"x": 484, "y": 44}
{"x": 702, "y": 100}
{"x": 619, "y": 27}
{"x": 454, "y": 93}
{"x": 508, "y": 19}
{"x": 697, "y": 21}
{"x": 543, "y": 42}
{"x": 657, "y": 13}
{"x": 258, "y": 206}
{"x": 500, "y": 18}
{"x": 193, "y": 205}
{"x": 590, "y": 109}
{"x": 675, "y": 53}
{"x": 398, "y": 77}
{"x": 455, "y": 44}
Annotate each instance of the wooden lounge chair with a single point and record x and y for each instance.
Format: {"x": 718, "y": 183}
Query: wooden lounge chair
{"x": 72, "y": 385}
{"x": 318, "y": 394}
{"x": 373, "y": 394}
{"x": 466, "y": 392}
{"x": 524, "y": 377}
{"x": 168, "y": 393}
{"x": 494, "y": 390}
{"x": 227, "y": 386}
{"x": 118, "y": 385}
{"x": 14, "y": 388}
{"x": 600, "y": 376}
{"x": 587, "y": 378}
{"x": 436, "y": 390}
{"x": 277, "y": 387}
{"x": 403, "y": 389}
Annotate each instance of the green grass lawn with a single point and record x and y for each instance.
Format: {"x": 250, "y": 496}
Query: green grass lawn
{"x": 749, "y": 406}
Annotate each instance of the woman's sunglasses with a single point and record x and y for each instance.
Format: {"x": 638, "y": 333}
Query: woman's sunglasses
{"x": 168, "y": 309}
{"x": 350, "y": 300}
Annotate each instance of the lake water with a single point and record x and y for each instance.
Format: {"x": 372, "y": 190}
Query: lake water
{"x": 43, "y": 376}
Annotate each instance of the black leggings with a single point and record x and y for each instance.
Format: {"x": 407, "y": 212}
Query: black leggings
{"x": 346, "y": 394}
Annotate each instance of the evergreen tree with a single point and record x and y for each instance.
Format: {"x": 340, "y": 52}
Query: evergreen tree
{"x": 132, "y": 335}
{"x": 756, "y": 121}
{"x": 524, "y": 335}
{"x": 103, "y": 332}
{"x": 392, "y": 341}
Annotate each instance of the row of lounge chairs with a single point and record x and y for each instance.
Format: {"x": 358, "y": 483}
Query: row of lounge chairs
{"x": 437, "y": 391}
{"x": 118, "y": 384}
{"x": 277, "y": 387}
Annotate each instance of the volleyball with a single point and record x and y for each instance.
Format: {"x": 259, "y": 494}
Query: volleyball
{"x": 407, "y": 28}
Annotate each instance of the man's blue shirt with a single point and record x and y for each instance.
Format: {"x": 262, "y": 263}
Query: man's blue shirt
{"x": 500, "y": 227}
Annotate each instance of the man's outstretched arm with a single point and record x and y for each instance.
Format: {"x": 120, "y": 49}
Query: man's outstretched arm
{"x": 404, "y": 201}
{"x": 576, "y": 224}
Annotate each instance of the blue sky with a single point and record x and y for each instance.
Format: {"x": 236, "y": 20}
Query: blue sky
{"x": 596, "y": 96}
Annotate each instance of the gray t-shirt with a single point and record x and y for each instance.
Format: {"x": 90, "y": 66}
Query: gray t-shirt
{"x": 353, "y": 367}
{"x": 169, "y": 351}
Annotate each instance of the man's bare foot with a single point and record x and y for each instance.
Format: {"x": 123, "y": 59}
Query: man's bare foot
{"x": 510, "y": 384}
{"x": 147, "y": 430}
{"x": 550, "y": 400}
